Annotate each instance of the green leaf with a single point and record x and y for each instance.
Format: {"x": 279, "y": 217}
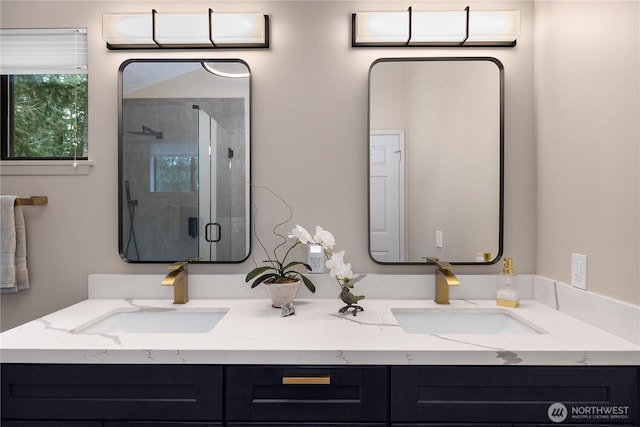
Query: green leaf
{"x": 256, "y": 272}
{"x": 294, "y": 263}
{"x": 261, "y": 279}
{"x": 308, "y": 283}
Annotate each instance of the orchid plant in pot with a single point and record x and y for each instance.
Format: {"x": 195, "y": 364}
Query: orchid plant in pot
{"x": 283, "y": 276}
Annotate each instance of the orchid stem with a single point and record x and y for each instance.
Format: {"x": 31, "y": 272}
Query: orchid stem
{"x": 274, "y": 229}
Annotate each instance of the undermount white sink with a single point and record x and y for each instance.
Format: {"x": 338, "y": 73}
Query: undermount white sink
{"x": 462, "y": 321}
{"x": 156, "y": 321}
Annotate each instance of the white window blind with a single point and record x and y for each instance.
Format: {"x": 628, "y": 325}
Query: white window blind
{"x": 43, "y": 51}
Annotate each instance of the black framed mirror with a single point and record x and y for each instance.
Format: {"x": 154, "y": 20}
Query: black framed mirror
{"x": 184, "y": 160}
{"x": 436, "y": 160}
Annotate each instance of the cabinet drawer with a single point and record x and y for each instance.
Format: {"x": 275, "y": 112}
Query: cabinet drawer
{"x": 513, "y": 394}
{"x": 159, "y": 424}
{"x": 108, "y": 392}
{"x": 51, "y": 423}
{"x": 455, "y": 425}
{"x": 281, "y": 393}
{"x": 572, "y": 425}
{"x": 306, "y": 424}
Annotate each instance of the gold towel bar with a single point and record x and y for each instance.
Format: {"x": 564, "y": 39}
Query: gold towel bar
{"x": 32, "y": 201}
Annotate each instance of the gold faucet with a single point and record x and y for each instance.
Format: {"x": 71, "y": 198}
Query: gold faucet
{"x": 444, "y": 278}
{"x": 178, "y": 277}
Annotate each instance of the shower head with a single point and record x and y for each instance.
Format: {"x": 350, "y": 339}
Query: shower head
{"x": 147, "y": 131}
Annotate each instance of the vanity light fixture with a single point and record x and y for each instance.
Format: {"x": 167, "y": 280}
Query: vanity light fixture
{"x": 212, "y": 30}
{"x": 435, "y": 28}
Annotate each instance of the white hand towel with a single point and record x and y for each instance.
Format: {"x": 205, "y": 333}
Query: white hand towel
{"x": 14, "y": 275}
{"x": 22, "y": 274}
{"x": 7, "y": 244}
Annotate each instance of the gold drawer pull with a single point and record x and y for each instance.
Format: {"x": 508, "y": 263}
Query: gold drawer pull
{"x": 319, "y": 379}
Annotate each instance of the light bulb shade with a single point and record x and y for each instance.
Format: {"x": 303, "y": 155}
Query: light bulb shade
{"x": 239, "y": 29}
{"x": 495, "y": 27}
{"x": 134, "y": 30}
{"x": 182, "y": 30}
{"x": 438, "y": 27}
{"x": 186, "y": 30}
{"x": 381, "y": 28}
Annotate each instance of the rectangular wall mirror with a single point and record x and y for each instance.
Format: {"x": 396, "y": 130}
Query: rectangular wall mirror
{"x": 436, "y": 160}
{"x": 184, "y": 160}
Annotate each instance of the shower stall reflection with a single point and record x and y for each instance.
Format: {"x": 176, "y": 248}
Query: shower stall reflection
{"x": 185, "y": 174}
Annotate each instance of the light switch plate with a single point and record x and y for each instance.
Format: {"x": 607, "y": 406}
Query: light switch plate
{"x": 579, "y": 271}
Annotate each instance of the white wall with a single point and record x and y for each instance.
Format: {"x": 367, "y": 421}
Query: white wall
{"x": 309, "y": 142}
{"x": 588, "y": 132}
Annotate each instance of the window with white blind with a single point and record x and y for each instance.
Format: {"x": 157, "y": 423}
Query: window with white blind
{"x": 43, "y": 79}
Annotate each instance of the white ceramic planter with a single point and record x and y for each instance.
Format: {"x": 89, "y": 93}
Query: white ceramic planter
{"x": 282, "y": 293}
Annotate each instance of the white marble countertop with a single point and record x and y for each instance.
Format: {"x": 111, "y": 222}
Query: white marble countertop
{"x": 252, "y": 332}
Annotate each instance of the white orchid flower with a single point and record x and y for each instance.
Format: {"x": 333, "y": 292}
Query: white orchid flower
{"x": 337, "y": 267}
{"x": 324, "y": 238}
{"x": 337, "y": 258}
{"x": 335, "y": 263}
{"x": 302, "y": 235}
{"x": 346, "y": 274}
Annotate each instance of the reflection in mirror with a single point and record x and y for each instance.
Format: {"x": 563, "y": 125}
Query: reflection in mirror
{"x": 184, "y": 160}
{"x": 435, "y": 160}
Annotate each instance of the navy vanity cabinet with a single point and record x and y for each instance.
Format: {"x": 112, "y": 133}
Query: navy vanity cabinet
{"x": 298, "y": 395}
{"x": 110, "y": 395}
{"x": 513, "y": 396}
{"x": 52, "y": 395}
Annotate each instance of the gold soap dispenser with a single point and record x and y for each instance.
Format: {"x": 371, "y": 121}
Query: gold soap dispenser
{"x": 506, "y": 290}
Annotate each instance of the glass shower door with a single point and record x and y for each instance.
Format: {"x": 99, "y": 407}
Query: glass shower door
{"x": 210, "y": 231}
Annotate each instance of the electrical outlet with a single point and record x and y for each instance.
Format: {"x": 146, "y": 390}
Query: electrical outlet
{"x": 438, "y": 239}
{"x": 315, "y": 259}
{"x": 579, "y": 271}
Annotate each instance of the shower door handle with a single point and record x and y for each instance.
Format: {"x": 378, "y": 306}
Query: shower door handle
{"x": 207, "y": 232}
